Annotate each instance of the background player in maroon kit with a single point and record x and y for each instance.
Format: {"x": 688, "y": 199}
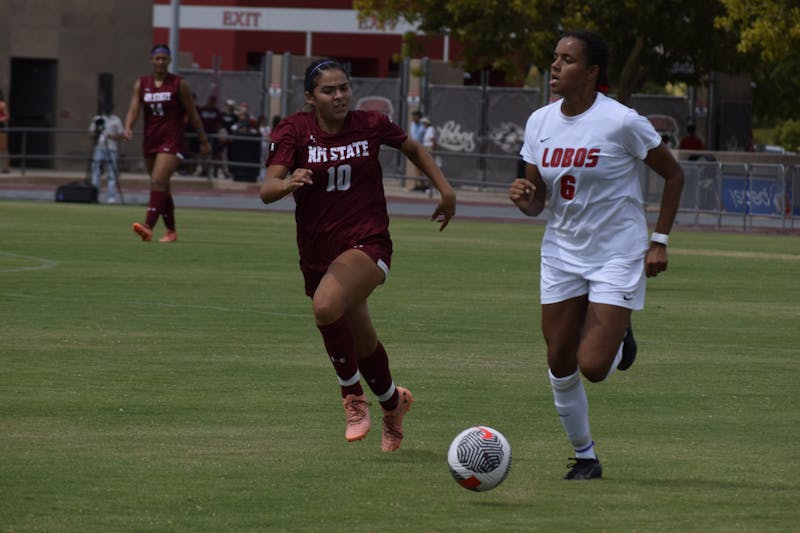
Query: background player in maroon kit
{"x": 211, "y": 117}
{"x": 328, "y": 158}
{"x": 167, "y": 102}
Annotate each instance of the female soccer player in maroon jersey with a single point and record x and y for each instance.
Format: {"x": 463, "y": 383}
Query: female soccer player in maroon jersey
{"x": 167, "y": 102}
{"x": 328, "y": 159}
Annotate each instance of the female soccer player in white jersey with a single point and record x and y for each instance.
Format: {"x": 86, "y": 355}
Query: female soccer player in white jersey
{"x": 585, "y": 153}
{"x": 328, "y": 159}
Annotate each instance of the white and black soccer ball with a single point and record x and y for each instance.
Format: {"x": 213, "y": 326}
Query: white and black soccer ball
{"x": 479, "y": 458}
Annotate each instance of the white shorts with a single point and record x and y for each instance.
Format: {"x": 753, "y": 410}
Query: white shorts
{"x": 619, "y": 282}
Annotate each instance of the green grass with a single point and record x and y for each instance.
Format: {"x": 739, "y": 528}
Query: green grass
{"x": 185, "y": 388}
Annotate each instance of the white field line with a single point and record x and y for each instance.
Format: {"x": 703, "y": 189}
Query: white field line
{"x": 41, "y": 263}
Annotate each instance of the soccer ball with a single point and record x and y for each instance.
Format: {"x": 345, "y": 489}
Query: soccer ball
{"x": 479, "y": 458}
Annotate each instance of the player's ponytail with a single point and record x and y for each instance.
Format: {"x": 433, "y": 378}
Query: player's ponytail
{"x": 602, "y": 85}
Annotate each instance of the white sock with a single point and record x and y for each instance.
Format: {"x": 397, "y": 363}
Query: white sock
{"x": 352, "y": 381}
{"x": 615, "y": 364}
{"x": 572, "y": 407}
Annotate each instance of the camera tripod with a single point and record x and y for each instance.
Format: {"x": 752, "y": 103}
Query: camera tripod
{"x": 111, "y": 163}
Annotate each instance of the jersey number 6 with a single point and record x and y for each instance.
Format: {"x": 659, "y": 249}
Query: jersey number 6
{"x": 568, "y": 187}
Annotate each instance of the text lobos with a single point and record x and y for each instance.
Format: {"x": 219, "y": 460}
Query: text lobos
{"x": 570, "y": 157}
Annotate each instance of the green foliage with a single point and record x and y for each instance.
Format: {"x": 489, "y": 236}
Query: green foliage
{"x": 150, "y": 387}
{"x": 769, "y": 34}
{"x": 659, "y": 41}
{"x": 789, "y": 135}
{"x": 762, "y": 136}
{"x": 771, "y": 28}
{"x": 651, "y": 42}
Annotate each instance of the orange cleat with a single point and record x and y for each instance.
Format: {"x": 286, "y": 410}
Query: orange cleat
{"x": 143, "y": 231}
{"x": 171, "y": 236}
{"x": 393, "y": 421}
{"x": 356, "y": 409}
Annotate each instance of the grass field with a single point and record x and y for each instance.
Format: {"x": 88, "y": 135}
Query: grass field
{"x": 184, "y": 387}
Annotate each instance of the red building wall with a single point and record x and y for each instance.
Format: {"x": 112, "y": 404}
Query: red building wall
{"x": 370, "y": 54}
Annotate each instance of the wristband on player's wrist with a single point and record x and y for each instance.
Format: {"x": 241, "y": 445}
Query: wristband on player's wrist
{"x": 660, "y": 238}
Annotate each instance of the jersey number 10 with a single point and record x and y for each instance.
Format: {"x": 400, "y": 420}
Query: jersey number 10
{"x": 339, "y": 178}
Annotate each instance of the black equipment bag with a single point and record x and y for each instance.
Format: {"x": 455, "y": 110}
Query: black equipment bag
{"x": 77, "y": 191}
{"x": 244, "y": 151}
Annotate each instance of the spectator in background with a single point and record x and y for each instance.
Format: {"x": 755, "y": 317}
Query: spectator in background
{"x": 243, "y": 152}
{"x": 228, "y": 120}
{"x": 4, "y": 118}
{"x": 429, "y": 143}
{"x": 429, "y": 135}
{"x": 691, "y": 141}
{"x": 244, "y": 107}
{"x": 105, "y": 130}
{"x": 244, "y": 124}
{"x": 228, "y": 115}
{"x": 211, "y": 117}
{"x": 265, "y": 130}
{"x": 416, "y": 131}
{"x": 192, "y": 144}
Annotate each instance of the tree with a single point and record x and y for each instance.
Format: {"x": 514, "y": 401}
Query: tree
{"x": 769, "y": 27}
{"x": 769, "y": 33}
{"x": 657, "y": 41}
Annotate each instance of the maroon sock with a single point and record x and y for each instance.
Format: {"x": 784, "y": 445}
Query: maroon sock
{"x": 375, "y": 370}
{"x": 169, "y": 213}
{"x": 338, "y": 339}
{"x": 155, "y": 208}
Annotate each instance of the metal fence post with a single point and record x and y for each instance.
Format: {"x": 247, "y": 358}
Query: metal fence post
{"x": 266, "y": 79}
{"x": 24, "y": 150}
{"x": 424, "y": 87}
{"x": 286, "y": 81}
{"x": 402, "y": 101}
{"x": 483, "y": 130}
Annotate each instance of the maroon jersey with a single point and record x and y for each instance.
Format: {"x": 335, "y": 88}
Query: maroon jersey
{"x": 346, "y": 204}
{"x": 212, "y": 119}
{"x": 164, "y": 115}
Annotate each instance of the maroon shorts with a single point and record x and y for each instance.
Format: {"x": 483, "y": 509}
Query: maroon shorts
{"x": 378, "y": 248}
{"x": 166, "y": 147}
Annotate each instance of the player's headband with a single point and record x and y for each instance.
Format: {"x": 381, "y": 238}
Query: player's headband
{"x": 313, "y": 71}
{"x": 161, "y": 50}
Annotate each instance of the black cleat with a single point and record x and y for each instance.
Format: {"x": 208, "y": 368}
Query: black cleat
{"x": 628, "y": 350}
{"x": 583, "y": 469}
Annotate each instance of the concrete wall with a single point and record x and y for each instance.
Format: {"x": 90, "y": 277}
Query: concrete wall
{"x": 85, "y": 37}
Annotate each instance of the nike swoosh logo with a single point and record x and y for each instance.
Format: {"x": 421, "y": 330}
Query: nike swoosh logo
{"x": 545, "y": 139}
{"x": 626, "y": 298}
{"x": 486, "y": 433}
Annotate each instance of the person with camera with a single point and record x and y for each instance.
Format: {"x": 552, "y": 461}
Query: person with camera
{"x": 105, "y": 130}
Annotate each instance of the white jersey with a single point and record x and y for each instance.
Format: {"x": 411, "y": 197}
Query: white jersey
{"x": 592, "y": 166}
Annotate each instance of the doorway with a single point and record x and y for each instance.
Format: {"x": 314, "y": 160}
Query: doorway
{"x": 32, "y": 102}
